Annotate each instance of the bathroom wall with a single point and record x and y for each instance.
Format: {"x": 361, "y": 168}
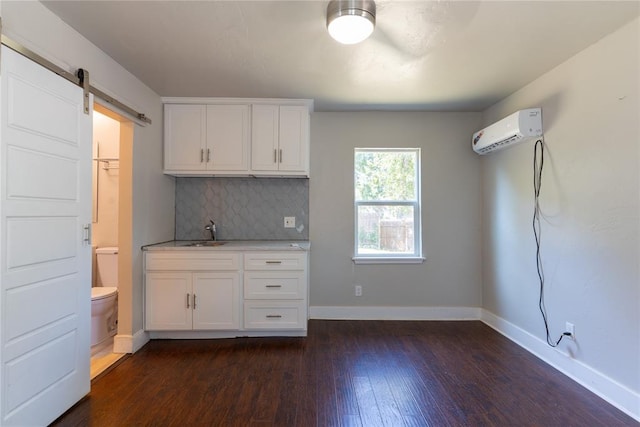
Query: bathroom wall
{"x": 106, "y": 144}
{"x": 242, "y": 208}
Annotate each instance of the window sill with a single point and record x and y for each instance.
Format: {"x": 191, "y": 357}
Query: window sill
{"x": 388, "y": 260}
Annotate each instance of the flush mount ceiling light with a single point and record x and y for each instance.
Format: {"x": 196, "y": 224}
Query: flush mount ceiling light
{"x": 351, "y": 21}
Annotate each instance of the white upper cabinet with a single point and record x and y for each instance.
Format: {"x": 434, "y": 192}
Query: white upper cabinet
{"x": 264, "y": 137}
{"x": 206, "y": 139}
{"x": 280, "y": 140}
{"x": 185, "y": 137}
{"x": 236, "y": 137}
{"x": 228, "y": 138}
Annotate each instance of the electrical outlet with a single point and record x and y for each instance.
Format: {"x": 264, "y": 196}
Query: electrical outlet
{"x": 289, "y": 222}
{"x": 358, "y": 290}
{"x": 570, "y": 328}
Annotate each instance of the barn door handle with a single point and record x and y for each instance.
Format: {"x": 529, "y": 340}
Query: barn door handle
{"x": 87, "y": 233}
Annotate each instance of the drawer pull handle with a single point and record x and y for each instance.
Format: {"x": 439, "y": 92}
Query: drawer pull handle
{"x": 188, "y": 296}
{"x": 274, "y": 316}
{"x": 194, "y": 301}
{"x": 273, "y": 262}
{"x": 274, "y": 286}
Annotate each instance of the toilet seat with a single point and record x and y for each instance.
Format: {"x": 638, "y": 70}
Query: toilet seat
{"x": 100, "y": 292}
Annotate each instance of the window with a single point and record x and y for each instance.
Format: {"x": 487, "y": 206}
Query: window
{"x": 387, "y": 205}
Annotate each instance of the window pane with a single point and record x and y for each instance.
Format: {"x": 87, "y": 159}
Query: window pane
{"x": 385, "y": 175}
{"x": 385, "y": 230}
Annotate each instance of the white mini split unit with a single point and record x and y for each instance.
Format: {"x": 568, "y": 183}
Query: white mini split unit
{"x": 520, "y": 126}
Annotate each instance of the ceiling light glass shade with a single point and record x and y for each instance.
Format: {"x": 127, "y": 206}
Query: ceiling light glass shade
{"x": 351, "y": 21}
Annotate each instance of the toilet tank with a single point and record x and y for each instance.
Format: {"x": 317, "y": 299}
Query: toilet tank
{"x": 107, "y": 260}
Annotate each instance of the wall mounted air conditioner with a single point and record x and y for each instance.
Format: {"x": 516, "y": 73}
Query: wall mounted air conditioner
{"x": 520, "y": 126}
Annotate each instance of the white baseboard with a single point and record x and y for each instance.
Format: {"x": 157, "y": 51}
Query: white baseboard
{"x": 613, "y": 392}
{"x": 394, "y": 313}
{"x": 197, "y": 335}
{"x": 130, "y": 343}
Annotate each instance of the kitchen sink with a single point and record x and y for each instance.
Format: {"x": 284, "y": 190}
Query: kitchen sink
{"x": 206, "y": 243}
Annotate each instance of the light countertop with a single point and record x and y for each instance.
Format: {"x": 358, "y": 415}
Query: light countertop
{"x": 230, "y": 245}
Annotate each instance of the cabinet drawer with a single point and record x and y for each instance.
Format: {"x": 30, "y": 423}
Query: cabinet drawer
{"x": 275, "y": 261}
{"x": 275, "y": 285}
{"x": 275, "y": 315}
{"x": 192, "y": 261}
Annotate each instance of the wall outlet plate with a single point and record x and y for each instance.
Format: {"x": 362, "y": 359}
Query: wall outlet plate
{"x": 570, "y": 327}
{"x": 289, "y": 222}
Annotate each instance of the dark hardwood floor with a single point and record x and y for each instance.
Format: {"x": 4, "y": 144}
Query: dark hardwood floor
{"x": 345, "y": 373}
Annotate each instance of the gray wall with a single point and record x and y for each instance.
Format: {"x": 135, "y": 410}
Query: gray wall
{"x": 451, "y": 275}
{"x": 590, "y": 205}
{"x": 242, "y": 208}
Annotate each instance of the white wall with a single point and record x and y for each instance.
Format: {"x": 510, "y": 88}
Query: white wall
{"x": 590, "y": 204}
{"x": 451, "y": 275}
{"x": 34, "y": 26}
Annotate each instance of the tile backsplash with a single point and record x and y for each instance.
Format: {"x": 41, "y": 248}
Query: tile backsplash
{"x": 242, "y": 208}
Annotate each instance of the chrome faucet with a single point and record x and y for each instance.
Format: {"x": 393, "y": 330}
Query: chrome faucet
{"x": 212, "y": 229}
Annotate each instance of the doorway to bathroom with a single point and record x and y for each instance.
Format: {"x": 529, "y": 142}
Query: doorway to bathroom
{"x": 111, "y": 218}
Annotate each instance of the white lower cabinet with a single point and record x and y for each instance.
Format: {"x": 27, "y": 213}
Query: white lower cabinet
{"x": 275, "y": 290}
{"x": 167, "y": 297}
{"x": 233, "y": 292}
{"x": 188, "y": 299}
{"x": 215, "y": 300}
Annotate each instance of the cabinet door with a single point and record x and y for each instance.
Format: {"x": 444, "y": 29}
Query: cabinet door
{"x": 264, "y": 137}
{"x": 227, "y": 138}
{"x": 184, "y": 137}
{"x": 216, "y": 300}
{"x": 294, "y": 139}
{"x": 168, "y": 300}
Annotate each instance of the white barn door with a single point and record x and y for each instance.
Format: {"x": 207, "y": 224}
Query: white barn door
{"x": 45, "y": 264}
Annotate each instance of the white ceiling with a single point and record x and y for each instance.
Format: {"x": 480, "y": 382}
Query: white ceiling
{"x": 423, "y": 55}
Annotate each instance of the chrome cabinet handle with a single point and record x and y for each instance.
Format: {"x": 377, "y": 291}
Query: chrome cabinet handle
{"x": 273, "y": 262}
{"x": 281, "y": 155}
{"x": 208, "y": 155}
{"x": 274, "y": 316}
{"x": 274, "y": 286}
{"x": 194, "y": 301}
{"x": 275, "y": 156}
{"x": 188, "y": 300}
{"x": 201, "y": 155}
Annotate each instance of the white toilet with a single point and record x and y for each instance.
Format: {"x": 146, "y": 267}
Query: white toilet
{"x": 104, "y": 296}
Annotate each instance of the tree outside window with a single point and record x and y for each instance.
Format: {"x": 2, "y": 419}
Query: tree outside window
{"x": 387, "y": 203}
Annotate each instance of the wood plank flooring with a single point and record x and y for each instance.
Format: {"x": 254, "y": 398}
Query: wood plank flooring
{"x": 345, "y": 373}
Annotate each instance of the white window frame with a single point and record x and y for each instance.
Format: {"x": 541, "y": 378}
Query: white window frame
{"x": 392, "y": 258}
